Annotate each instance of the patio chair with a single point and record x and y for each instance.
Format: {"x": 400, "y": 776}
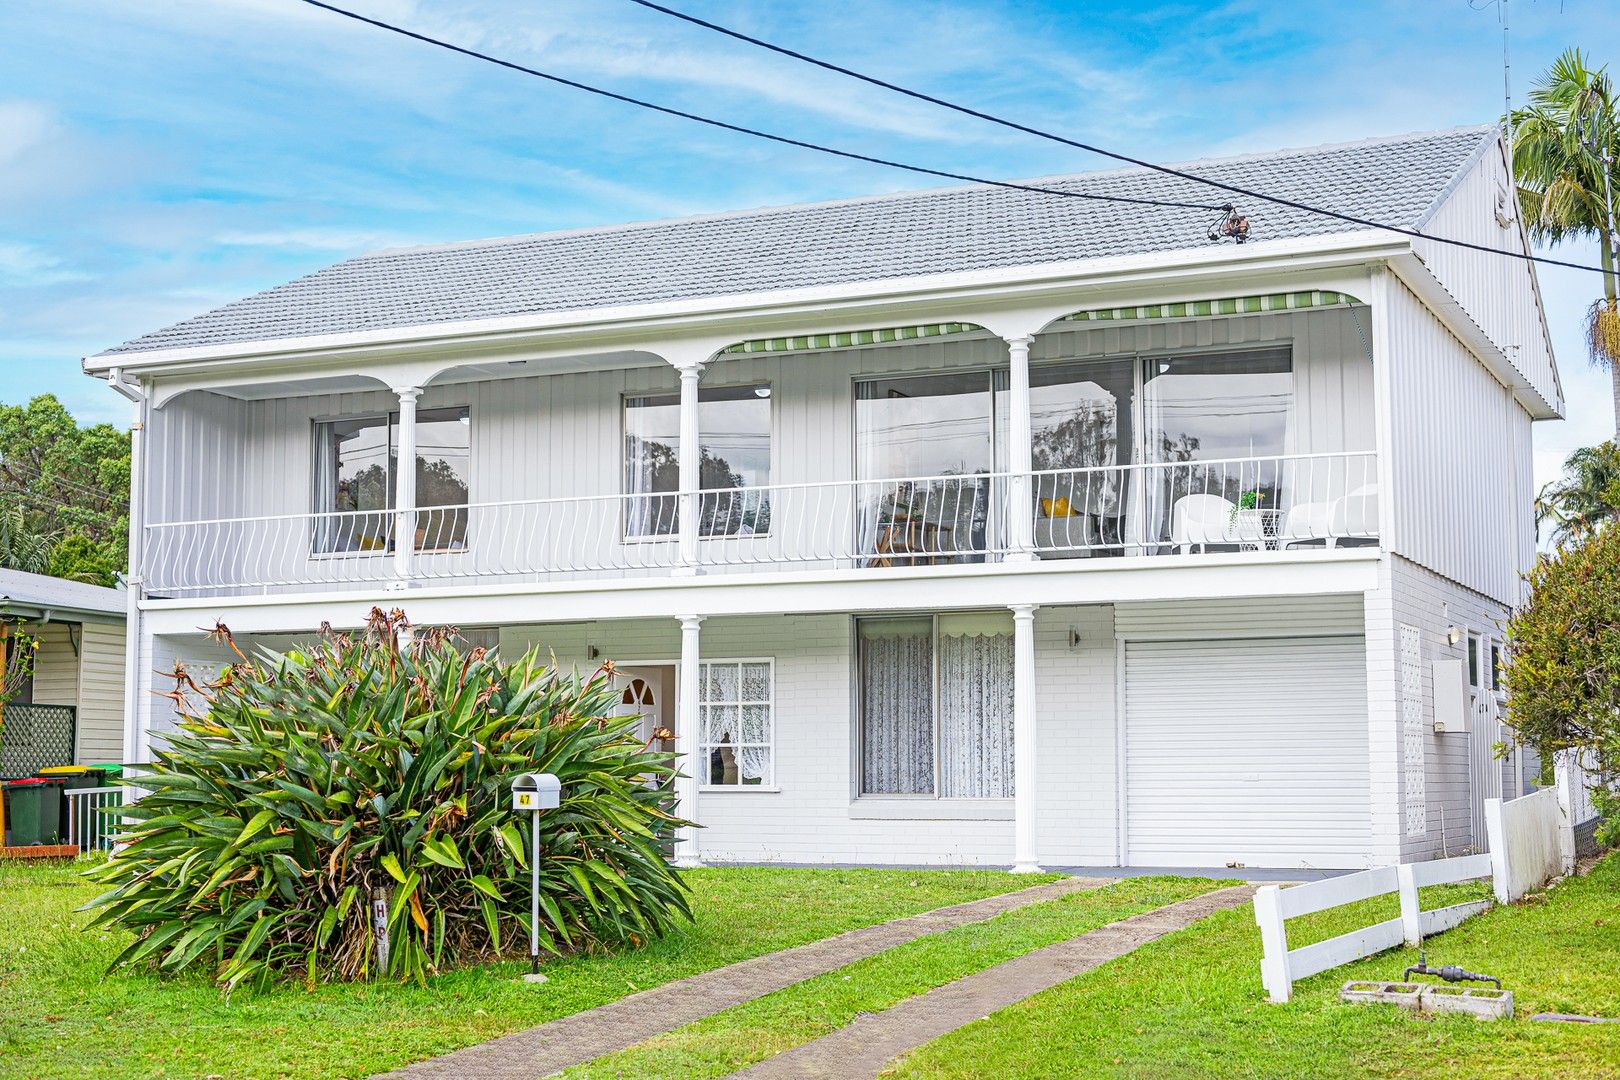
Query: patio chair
{"x": 1200, "y": 520}
{"x": 1355, "y": 514}
{"x": 1307, "y": 523}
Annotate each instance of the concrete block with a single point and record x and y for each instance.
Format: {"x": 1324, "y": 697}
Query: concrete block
{"x": 1406, "y": 995}
{"x": 1485, "y": 1004}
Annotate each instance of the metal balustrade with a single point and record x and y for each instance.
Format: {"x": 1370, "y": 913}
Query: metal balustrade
{"x": 1237, "y": 504}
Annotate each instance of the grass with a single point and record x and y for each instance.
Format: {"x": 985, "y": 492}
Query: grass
{"x": 1190, "y": 1005}
{"x": 60, "y": 1017}
{"x": 741, "y": 1036}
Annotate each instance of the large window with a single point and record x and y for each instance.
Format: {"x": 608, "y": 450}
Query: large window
{"x": 355, "y": 463}
{"x": 734, "y": 440}
{"x": 739, "y": 725}
{"x": 936, "y": 705}
{"x": 908, "y": 430}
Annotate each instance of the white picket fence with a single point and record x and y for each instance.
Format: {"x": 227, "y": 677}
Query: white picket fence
{"x": 1528, "y": 837}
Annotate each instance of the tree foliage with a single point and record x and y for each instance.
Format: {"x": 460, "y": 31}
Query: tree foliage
{"x": 1563, "y": 648}
{"x": 64, "y": 491}
{"x": 1585, "y": 498}
{"x": 1566, "y": 162}
{"x": 299, "y": 784}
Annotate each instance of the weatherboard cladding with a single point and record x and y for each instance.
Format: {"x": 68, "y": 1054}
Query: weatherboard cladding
{"x": 1394, "y": 180}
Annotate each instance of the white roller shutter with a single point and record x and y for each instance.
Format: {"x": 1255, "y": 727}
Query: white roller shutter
{"x": 1251, "y": 751}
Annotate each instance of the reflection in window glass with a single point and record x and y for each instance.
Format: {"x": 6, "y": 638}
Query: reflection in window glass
{"x": 734, "y": 439}
{"x": 354, "y": 481}
{"x": 1082, "y": 431}
{"x": 921, "y": 427}
{"x": 1214, "y": 407}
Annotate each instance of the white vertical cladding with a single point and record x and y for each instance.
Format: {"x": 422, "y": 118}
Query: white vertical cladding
{"x": 102, "y": 664}
{"x": 687, "y": 741}
{"x": 1500, "y": 293}
{"x": 1425, "y": 600}
{"x": 1026, "y": 781}
{"x": 1457, "y": 448}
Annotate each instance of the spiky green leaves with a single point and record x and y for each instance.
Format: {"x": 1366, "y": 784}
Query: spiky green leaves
{"x": 318, "y": 776}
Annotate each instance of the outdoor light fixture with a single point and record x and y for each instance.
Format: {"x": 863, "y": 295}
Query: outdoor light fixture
{"x": 762, "y": 391}
{"x": 1454, "y": 634}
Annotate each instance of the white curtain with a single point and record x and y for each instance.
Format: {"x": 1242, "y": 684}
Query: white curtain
{"x": 897, "y": 708}
{"x": 976, "y": 716}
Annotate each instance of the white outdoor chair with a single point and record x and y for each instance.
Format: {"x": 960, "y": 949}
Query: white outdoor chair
{"x": 1307, "y": 522}
{"x": 1200, "y": 520}
{"x": 1356, "y": 513}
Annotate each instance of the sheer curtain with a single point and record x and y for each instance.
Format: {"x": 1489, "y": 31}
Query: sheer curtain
{"x": 897, "y": 706}
{"x": 975, "y": 653}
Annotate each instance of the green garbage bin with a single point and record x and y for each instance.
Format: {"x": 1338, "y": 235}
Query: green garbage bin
{"x": 33, "y": 811}
{"x": 73, "y": 778}
{"x": 111, "y": 773}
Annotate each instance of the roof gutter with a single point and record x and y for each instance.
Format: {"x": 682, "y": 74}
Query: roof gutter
{"x": 756, "y": 314}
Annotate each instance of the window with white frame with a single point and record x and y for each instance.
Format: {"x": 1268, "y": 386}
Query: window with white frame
{"x": 734, "y": 461}
{"x": 936, "y": 705}
{"x": 356, "y": 464}
{"x": 738, "y": 704}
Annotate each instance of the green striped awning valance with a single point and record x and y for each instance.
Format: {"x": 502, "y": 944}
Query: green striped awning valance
{"x": 1232, "y": 305}
{"x": 852, "y": 338}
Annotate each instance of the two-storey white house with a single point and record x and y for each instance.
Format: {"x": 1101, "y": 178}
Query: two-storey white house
{"x": 971, "y": 526}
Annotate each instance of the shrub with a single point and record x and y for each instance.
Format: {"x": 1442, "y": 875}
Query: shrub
{"x": 1563, "y": 650}
{"x": 300, "y": 786}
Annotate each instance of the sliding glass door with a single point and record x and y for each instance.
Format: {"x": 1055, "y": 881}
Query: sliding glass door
{"x": 924, "y": 451}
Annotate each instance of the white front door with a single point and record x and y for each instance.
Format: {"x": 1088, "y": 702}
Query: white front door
{"x": 642, "y": 693}
{"x": 1247, "y": 751}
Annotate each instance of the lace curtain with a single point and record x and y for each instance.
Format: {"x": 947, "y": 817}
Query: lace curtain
{"x": 897, "y": 711}
{"x": 976, "y": 716}
{"x": 900, "y": 738}
{"x": 737, "y": 717}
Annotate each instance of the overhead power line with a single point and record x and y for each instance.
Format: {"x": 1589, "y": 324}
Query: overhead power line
{"x": 785, "y": 140}
{"x": 1221, "y": 185}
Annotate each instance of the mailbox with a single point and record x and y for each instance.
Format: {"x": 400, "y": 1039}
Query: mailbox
{"x": 536, "y": 791}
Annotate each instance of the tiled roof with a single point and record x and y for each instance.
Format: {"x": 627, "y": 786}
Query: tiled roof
{"x": 1393, "y": 180}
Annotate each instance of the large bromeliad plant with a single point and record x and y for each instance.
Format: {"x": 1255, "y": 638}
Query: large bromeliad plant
{"x": 309, "y": 794}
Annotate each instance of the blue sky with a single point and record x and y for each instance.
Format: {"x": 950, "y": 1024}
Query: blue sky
{"x": 157, "y": 159}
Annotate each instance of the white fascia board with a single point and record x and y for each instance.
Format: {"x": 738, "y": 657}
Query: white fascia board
{"x": 1122, "y": 580}
{"x": 737, "y": 317}
{"x": 1412, "y": 272}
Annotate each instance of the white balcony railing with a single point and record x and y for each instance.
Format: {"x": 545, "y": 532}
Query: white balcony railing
{"x": 1253, "y": 503}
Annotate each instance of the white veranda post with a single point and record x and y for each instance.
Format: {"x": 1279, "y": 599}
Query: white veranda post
{"x": 686, "y": 741}
{"x": 405, "y": 484}
{"x": 1020, "y": 512}
{"x": 1025, "y": 860}
{"x": 691, "y": 460}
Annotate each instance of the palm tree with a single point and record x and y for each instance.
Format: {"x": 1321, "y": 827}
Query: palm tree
{"x": 1566, "y": 142}
{"x": 1585, "y": 497}
{"x": 20, "y": 547}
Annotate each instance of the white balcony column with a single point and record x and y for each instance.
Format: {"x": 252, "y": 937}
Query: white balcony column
{"x": 405, "y": 487}
{"x": 1020, "y": 502}
{"x": 1025, "y": 860}
{"x": 691, "y": 459}
{"x": 687, "y": 721}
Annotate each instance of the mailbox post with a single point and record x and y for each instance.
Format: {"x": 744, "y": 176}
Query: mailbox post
{"x": 532, "y": 793}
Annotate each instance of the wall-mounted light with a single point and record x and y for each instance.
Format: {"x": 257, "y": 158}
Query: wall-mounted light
{"x": 1074, "y": 637}
{"x": 762, "y": 391}
{"x": 592, "y": 652}
{"x": 1454, "y": 634}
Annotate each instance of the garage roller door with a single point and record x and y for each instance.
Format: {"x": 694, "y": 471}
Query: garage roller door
{"x": 1251, "y": 751}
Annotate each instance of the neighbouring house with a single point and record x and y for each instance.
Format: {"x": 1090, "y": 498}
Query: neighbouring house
{"x": 969, "y": 526}
{"x": 71, "y": 711}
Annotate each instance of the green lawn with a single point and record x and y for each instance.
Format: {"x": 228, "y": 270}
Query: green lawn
{"x": 738, "y": 1037}
{"x": 59, "y": 1017}
{"x": 1190, "y": 1005}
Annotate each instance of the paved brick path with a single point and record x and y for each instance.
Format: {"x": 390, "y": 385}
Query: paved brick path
{"x": 864, "y": 1047}
{"x": 618, "y": 1025}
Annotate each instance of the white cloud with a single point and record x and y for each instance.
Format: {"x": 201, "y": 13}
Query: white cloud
{"x": 24, "y": 125}
{"x": 23, "y": 265}
{"x": 309, "y": 239}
